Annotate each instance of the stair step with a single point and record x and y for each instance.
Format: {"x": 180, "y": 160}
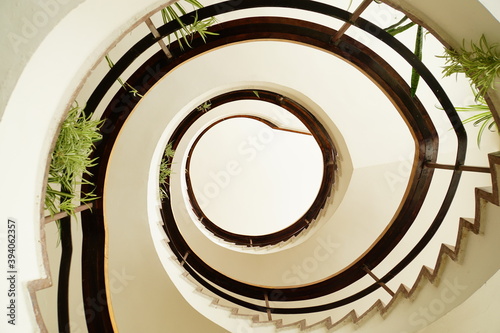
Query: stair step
{"x": 455, "y": 272}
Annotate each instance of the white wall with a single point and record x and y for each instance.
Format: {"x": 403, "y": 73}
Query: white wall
{"x": 23, "y": 26}
{"x": 27, "y": 132}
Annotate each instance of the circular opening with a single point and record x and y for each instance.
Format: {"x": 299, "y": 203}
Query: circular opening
{"x": 260, "y": 179}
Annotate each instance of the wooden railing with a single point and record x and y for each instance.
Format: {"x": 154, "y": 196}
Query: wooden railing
{"x": 334, "y": 42}
{"x": 411, "y": 110}
{"x": 319, "y": 133}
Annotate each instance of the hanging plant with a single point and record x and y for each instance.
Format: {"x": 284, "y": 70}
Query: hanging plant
{"x": 70, "y": 161}
{"x": 125, "y": 85}
{"x": 186, "y": 33}
{"x": 402, "y": 26}
{"x": 481, "y": 64}
{"x": 484, "y": 119}
{"x": 165, "y": 170}
{"x": 183, "y": 36}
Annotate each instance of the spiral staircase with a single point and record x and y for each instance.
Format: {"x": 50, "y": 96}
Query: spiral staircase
{"x": 392, "y": 209}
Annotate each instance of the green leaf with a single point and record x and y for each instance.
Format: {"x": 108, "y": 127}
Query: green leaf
{"x": 185, "y": 34}
{"x": 125, "y": 85}
{"x": 397, "y": 24}
{"x": 480, "y": 63}
{"x": 415, "y": 77}
{"x": 70, "y": 160}
{"x": 484, "y": 118}
{"x": 398, "y": 30}
{"x": 165, "y": 170}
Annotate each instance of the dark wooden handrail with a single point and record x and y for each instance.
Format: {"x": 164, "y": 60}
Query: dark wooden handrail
{"x": 63, "y": 320}
{"x": 398, "y": 91}
{"x": 292, "y": 30}
{"x": 319, "y": 133}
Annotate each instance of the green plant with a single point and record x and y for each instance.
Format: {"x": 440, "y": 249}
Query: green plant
{"x": 484, "y": 119}
{"x": 175, "y": 11}
{"x": 169, "y": 14}
{"x": 419, "y": 44}
{"x": 125, "y": 85}
{"x": 350, "y": 4}
{"x": 402, "y": 26}
{"x": 481, "y": 64}
{"x": 205, "y": 107}
{"x": 165, "y": 170}
{"x": 398, "y": 27}
{"x": 185, "y": 34}
{"x": 70, "y": 160}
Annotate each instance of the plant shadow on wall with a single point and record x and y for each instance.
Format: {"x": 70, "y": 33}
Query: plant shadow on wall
{"x": 481, "y": 64}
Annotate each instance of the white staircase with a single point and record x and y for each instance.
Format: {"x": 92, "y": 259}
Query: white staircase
{"x": 459, "y": 272}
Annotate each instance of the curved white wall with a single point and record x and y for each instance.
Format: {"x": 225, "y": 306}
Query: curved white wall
{"x": 42, "y": 95}
{"x": 29, "y": 125}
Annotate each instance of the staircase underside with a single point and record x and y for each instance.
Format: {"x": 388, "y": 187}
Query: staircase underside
{"x": 460, "y": 271}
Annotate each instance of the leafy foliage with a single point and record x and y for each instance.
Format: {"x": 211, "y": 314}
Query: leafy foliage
{"x": 205, "y": 107}
{"x": 402, "y": 26}
{"x": 185, "y": 34}
{"x": 419, "y": 44}
{"x": 484, "y": 119}
{"x": 70, "y": 160}
{"x": 165, "y": 170}
{"x": 481, "y": 64}
{"x": 125, "y": 85}
{"x": 171, "y": 13}
{"x": 398, "y": 27}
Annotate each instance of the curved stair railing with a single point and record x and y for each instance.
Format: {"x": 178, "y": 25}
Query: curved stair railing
{"x": 449, "y": 281}
{"x": 295, "y": 229}
{"x": 316, "y": 130}
{"x": 246, "y": 295}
